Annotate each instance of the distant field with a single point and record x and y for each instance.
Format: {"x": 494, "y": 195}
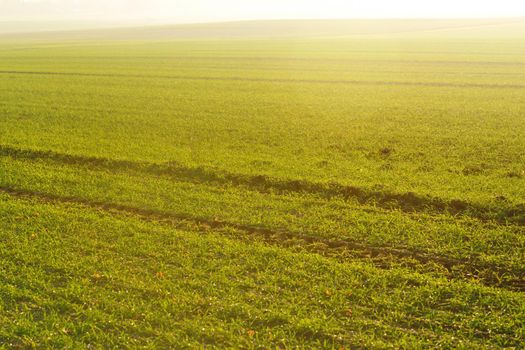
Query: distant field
{"x": 165, "y": 188}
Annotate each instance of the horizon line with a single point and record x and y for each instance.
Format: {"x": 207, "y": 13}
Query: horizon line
{"x": 240, "y": 20}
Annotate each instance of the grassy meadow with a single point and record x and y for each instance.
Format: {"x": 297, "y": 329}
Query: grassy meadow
{"x": 332, "y": 185}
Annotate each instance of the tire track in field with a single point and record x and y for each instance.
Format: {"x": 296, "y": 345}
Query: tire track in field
{"x": 314, "y": 60}
{"x": 409, "y": 202}
{"x": 342, "y": 249}
{"x": 269, "y": 80}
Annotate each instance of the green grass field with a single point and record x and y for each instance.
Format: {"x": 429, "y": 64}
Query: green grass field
{"x": 329, "y": 185}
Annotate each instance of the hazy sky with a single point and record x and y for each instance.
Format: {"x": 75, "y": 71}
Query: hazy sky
{"x": 217, "y": 10}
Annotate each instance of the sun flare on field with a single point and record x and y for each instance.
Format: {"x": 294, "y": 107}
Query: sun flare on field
{"x": 262, "y": 174}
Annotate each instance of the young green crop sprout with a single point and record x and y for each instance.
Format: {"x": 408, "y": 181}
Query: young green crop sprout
{"x": 285, "y": 184}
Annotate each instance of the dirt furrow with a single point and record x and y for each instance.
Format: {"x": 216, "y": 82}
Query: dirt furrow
{"x": 407, "y": 202}
{"x": 272, "y": 80}
{"x": 341, "y": 249}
